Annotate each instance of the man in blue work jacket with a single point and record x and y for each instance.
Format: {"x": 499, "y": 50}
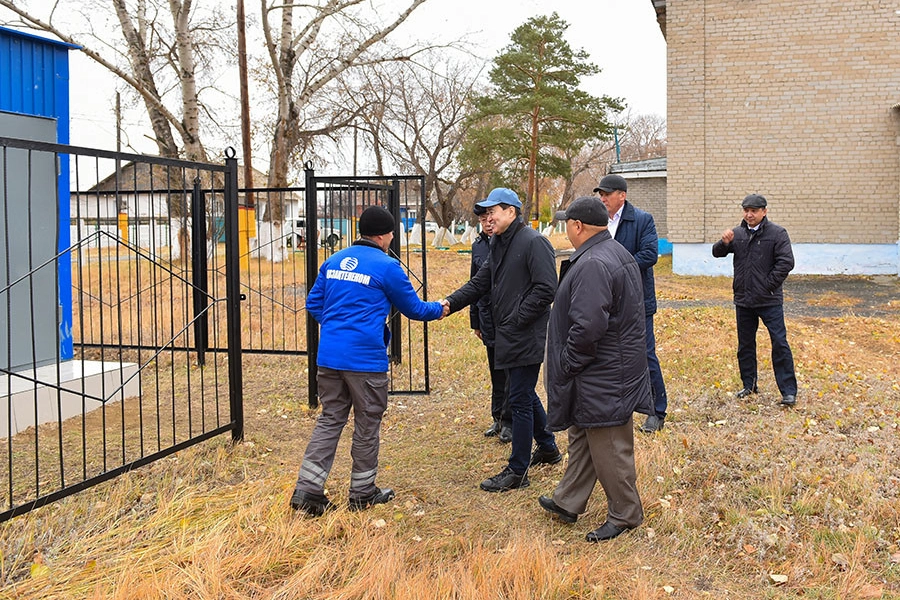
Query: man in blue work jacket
{"x": 351, "y": 300}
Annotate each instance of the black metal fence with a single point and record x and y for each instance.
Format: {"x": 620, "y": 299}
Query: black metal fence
{"x": 126, "y": 305}
{"x": 114, "y": 300}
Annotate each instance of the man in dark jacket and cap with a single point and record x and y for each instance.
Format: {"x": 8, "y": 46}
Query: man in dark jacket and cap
{"x": 762, "y": 260}
{"x": 482, "y": 323}
{"x": 520, "y": 275}
{"x": 596, "y": 371}
{"x": 635, "y": 229}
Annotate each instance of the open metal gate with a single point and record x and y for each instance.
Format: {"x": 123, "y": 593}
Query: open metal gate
{"x": 340, "y": 201}
{"x": 296, "y": 229}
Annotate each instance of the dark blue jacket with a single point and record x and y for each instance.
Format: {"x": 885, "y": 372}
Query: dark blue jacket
{"x": 351, "y": 300}
{"x": 480, "y": 317}
{"x": 637, "y": 232}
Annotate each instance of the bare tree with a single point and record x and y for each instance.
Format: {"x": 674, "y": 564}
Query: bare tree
{"x": 415, "y": 114}
{"x": 643, "y": 137}
{"x": 334, "y": 36}
{"x": 165, "y": 44}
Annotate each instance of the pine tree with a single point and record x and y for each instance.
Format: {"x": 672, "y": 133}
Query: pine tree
{"x": 535, "y": 112}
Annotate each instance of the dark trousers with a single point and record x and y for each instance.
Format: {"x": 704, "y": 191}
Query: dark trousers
{"x": 660, "y": 399}
{"x": 782, "y": 360}
{"x": 499, "y": 391}
{"x": 529, "y": 419}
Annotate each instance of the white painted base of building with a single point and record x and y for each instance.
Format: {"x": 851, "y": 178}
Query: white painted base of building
{"x": 29, "y": 398}
{"x": 809, "y": 259}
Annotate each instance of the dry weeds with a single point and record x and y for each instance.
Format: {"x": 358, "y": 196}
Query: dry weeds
{"x": 743, "y": 499}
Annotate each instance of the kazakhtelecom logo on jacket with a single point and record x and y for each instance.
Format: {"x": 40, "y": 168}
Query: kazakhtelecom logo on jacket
{"x": 346, "y": 272}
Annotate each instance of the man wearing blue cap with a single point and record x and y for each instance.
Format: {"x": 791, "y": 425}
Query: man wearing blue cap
{"x": 520, "y": 275}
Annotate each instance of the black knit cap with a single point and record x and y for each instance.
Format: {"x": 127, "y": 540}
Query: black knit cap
{"x": 376, "y": 220}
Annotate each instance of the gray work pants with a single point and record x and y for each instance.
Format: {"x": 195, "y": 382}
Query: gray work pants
{"x": 604, "y": 454}
{"x": 338, "y": 391}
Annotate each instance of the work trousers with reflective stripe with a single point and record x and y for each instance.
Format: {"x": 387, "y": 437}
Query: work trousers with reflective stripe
{"x": 366, "y": 393}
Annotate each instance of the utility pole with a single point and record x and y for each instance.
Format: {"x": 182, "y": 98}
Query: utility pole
{"x": 245, "y": 100}
{"x": 118, "y": 122}
{"x": 246, "y": 212}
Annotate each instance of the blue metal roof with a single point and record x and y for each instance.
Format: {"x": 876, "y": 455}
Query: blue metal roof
{"x": 34, "y": 77}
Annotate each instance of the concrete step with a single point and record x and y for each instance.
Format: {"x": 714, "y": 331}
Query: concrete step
{"x": 32, "y": 397}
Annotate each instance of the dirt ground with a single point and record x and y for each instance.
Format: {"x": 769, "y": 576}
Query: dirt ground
{"x": 829, "y": 296}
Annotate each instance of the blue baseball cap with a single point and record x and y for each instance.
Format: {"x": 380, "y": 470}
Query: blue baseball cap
{"x": 501, "y": 196}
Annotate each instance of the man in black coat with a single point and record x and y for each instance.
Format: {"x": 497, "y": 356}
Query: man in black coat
{"x": 762, "y": 260}
{"x": 597, "y": 371}
{"x": 482, "y": 324}
{"x": 520, "y": 275}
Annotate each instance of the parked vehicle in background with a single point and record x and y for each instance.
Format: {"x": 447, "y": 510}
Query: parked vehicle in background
{"x": 431, "y": 227}
{"x": 295, "y": 235}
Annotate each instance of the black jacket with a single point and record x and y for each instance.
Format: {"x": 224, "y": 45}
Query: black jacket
{"x": 480, "y": 317}
{"x": 762, "y": 261}
{"x": 596, "y": 371}
{"x": 637, "y": 232}
{"x": 520, "y": 275}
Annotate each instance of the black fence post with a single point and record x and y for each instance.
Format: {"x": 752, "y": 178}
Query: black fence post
{"x": 199, "y": 275}
{"x": 312, "y": 269}
{"x": 233, "y": 296}
{"x": 395, "y": 352}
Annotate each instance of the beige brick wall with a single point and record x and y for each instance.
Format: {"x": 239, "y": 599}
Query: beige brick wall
{"x": 649, "y": 194}
{"x": 791, "y": 100}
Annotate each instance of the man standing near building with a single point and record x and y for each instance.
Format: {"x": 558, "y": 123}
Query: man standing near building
{"x": 351, "y": 300}
{"x": 482, "y": 324}
{"x": 635, "y": 229}
{"x": 520, "y": 274}
{"x": 596, "y": 371}
{"x": 762, "y": 260}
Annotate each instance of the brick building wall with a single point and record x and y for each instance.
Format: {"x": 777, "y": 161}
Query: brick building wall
{"x": 647, "y": 188}
{"x": 792, "y": 100}
{"x": 649, "y": 194}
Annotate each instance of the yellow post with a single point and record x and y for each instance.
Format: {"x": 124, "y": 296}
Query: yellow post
{"x": 246, "y": 230}
{"x": 123, "y": 227}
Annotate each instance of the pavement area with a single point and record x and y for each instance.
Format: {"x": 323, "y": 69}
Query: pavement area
{"x": 829, "y": 296}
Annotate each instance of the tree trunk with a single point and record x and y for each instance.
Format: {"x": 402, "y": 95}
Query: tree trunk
{"x": 143, "y": 74}
{"x": 193, "y": 148}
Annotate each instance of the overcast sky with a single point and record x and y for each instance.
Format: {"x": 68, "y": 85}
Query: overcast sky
{"x": 621, "y": 36}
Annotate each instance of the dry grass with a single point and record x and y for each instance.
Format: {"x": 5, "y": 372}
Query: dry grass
{"x": 736, "y": 493}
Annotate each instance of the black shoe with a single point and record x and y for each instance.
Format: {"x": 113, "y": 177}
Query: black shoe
{"x": 545, "y": 456}
{"x": 788, "y": 400}
{"x": 653, "y": 424}
{"x": 314, "y": 505}
{"x": 745, "y": 392}
{"x": 379, "y": 496}
{"x": 607, "y": 531}
{"x": 504, "y": 481}
{"x": 493, "y": 430}
{"x": 551, "y": 507}
{"x": 505, "y": 434}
